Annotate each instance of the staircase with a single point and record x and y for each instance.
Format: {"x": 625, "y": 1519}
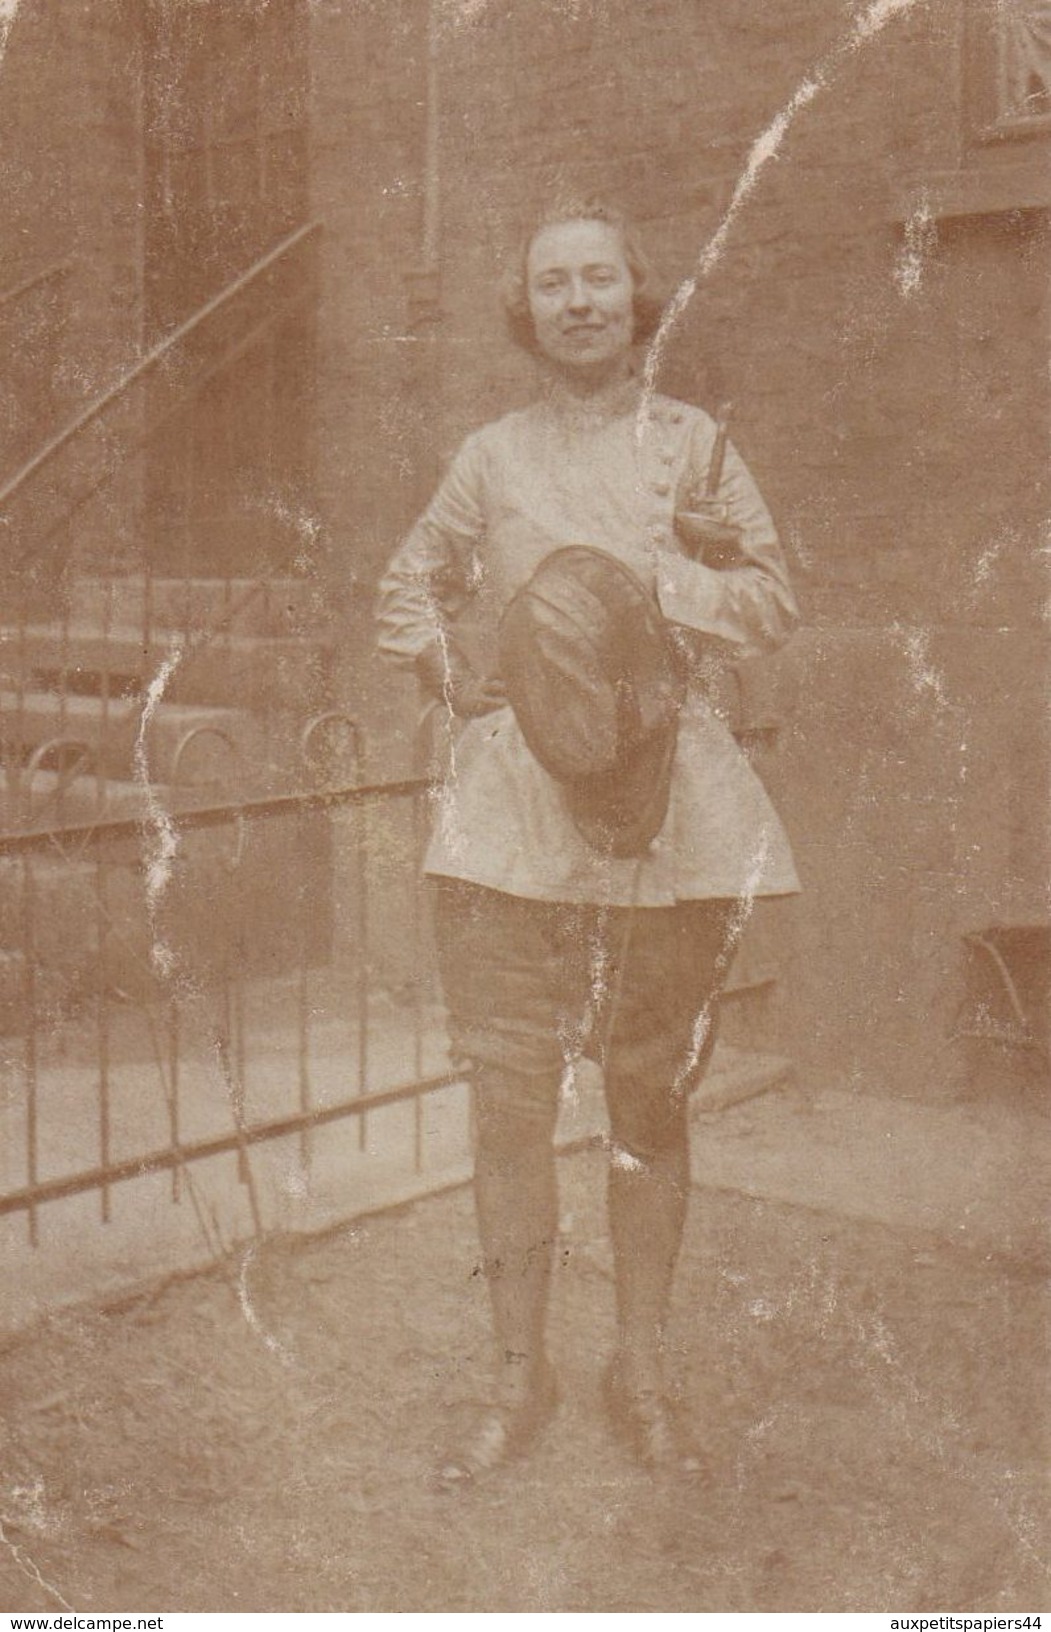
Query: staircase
{"x": 247, "y": 665}
{"x": 247, "y": 659}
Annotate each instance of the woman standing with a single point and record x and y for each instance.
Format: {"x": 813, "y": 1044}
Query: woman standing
{"x": 546, "y": 937}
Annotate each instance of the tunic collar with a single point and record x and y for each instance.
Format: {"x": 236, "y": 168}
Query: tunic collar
{"x": 596, "y": 409}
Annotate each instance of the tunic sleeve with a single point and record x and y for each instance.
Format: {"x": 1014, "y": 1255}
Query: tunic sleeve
{"x": 434, "y": 573}
{"x": 750, "y": 606}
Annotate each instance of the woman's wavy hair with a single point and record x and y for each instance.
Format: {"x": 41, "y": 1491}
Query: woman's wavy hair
{"x": 514, "y": 293}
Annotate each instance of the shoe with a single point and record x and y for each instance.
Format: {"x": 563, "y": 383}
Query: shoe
{"x": 645, "y": 1423}
{"x": 500, "y": 1435}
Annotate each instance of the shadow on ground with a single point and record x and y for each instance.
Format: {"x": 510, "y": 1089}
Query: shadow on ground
{"x": 261, "y": 1438}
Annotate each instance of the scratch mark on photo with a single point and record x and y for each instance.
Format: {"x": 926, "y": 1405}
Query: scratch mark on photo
{"x": 765, "y": 148}
{"x": 25, "y": 1564}
{"x": 160, "y": 854}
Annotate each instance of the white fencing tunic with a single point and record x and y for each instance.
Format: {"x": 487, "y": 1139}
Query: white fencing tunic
{"x": 601, "y": 472}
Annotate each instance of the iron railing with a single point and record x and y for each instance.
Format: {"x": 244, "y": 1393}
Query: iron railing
{"x": 71, "y": 690}
{"x": 88, "y": 618}
{"x": 191, "y": 985}
{"x": 40, "y": 496}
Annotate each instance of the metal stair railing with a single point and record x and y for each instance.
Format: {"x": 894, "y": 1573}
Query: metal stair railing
{"x": 51, "y": 487}
{"x": 265, "y": 273}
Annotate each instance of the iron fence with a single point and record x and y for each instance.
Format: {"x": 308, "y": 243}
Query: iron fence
{"x": 197, "y": 957}
{"x": 193, "y": 984}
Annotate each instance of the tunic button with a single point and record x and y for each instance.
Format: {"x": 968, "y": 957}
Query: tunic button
{"x": 661, "y": 489}
{"x": 676, "y": 418}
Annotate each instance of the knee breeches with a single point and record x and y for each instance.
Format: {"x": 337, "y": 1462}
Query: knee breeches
{"x": 530, "y": 986}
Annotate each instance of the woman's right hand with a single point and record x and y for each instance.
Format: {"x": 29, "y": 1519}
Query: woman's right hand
{"x": 446, "y": 674}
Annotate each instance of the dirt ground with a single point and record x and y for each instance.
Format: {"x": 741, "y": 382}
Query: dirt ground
{"x": 260, "y": 1438}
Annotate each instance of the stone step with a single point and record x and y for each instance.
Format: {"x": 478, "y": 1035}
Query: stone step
{"x": 256, "y": 672}
{"x": 246, "y": 606}
{"x": 233, "y": 749}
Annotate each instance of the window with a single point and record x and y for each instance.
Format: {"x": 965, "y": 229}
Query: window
{"x": 1001, "y": 167}
{"x": 1011, "y": 69}
{"x": 1023, "y": 88}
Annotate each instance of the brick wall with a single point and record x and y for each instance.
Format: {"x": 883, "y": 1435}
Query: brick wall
{"x": 71, "y": 258}
{"x": 889, "y": 397}
{"x": 225, "y": 151}
{"x": 150, "y": 151}
{"x": 225, "y": 178}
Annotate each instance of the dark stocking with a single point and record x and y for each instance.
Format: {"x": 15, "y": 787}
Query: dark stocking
{"x": 516, "y": 1199}
{"x": 647, "y": 1213}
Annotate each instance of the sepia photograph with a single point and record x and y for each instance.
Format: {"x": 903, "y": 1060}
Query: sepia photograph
{"x": 525, "y": 807}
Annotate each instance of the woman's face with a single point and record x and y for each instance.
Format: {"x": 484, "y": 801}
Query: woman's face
{"x": 581, "y": 296}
